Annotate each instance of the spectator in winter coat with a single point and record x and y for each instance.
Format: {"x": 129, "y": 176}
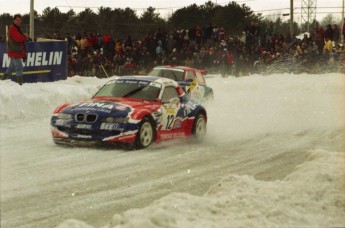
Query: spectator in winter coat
{"x": 336, "y": 33}
{"x": 159, "y": 49}
{"x": 344, "y": 30}
{"x": 83, "y": 43}
{"x": 327, "y": 49}
{"x": 118, "y": 47}
{"x": 329, "y": 33}
{"x": 16, "y": 49}
{"x": 315, "y": 49}
{"x": 298, "y": 51}
{"x": 269, "y": 31}
{"x": 223, "y": 62}
{"x": 319, "y": 37}
{"x": 128, "y": 42}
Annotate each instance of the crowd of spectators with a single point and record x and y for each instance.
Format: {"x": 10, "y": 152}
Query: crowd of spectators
{"x": 210, "y": 48}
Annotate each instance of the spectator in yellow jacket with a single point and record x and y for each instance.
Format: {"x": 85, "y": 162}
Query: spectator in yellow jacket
{"x": 327, "y": 51}
{"x": 327, "y": 48}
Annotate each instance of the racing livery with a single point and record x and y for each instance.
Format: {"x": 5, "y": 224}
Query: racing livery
{"x": 135, "y": 110}
{"x": 192, "y": 80}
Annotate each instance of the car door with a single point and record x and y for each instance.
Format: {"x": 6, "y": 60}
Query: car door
{"x": 196, "y": 89}
{"x": 171, "y": 123}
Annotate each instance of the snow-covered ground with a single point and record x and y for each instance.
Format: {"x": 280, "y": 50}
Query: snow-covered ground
{"x": 274, "y": 155}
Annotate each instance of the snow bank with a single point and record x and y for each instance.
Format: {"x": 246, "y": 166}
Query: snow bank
{"x": 38, "y": 100}
{"x": 310, "y": 196}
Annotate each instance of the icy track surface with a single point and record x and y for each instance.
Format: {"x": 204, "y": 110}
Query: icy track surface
{"x": 273, "y": 156}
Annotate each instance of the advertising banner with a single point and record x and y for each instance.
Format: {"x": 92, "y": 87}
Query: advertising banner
{"x": 45, "y": 62}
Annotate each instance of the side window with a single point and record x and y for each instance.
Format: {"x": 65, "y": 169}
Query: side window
{"x": 169, "y": 92}
{"x": 170, "y": 74}
{"x": 189, "y": 76}
{"x": 179, "y": 75}
{"x": 201, "y": 80}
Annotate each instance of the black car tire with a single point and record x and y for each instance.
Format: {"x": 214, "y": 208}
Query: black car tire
{"x": 145, "y": 135}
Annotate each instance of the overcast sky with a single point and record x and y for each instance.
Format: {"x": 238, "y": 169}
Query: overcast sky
{"x": 166, "y": 7}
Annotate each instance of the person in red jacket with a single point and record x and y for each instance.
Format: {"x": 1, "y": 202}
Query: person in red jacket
{"x": 16, "y": 49}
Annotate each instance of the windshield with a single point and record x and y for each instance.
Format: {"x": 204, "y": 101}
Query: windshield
{"x": 131, "y": 88}
{"x": 167, "y": 73}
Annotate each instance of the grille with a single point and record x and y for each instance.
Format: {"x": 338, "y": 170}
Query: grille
{"x": 87, "y": 118}
{"x": 91, "y": 118}
{"x": 94, "y": 133}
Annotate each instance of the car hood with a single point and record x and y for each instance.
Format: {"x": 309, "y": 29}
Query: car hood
{"x": 120, "y": 107}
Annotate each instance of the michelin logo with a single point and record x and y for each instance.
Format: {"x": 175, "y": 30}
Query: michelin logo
{"x": 38, "y": 59}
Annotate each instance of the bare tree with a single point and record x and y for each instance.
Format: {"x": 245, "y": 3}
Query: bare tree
{"x": 330, "y": 19}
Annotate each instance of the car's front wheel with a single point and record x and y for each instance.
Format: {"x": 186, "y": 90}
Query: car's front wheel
{"x": 199, "y": 127}
{"x": 145, "y": 135}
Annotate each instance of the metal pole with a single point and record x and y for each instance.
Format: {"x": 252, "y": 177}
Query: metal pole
{"x": 291, "y": 19}
{"x": 308, "y": 16}
{"x": 32, "y": 16}
{"x": 342, "y": 24}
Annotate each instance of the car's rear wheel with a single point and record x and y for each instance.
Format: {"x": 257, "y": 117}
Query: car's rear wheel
{"x": 199, "y": 127}
{"x": 145, "y": 135}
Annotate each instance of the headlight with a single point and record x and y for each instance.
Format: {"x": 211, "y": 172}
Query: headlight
{"x": 115, "y": 120}
{"x": 64, "y": 116}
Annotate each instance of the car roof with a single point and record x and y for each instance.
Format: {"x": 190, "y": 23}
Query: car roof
{"x": 174, "y": 67}
{"x": 180, "y": 68}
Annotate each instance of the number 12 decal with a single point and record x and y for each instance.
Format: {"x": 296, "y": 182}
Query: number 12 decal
{"x": 170, "y": 120}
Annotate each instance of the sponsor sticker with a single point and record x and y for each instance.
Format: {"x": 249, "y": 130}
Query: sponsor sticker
{"x": 60, "y": 122}
{"x": 111, "y": 126}
{"x": 172, "y": 135}
{"x": 120, "y": 108}
{"x": 170, "y": 111}
{"x": 84, "y": 136}
{"x": 100, "y": 105}
{"x": 83, "y": 126}
{"x": 128, "y": 81}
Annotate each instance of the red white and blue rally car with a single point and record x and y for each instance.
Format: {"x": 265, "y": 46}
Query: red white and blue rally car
{"x": 135, "y": 110}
